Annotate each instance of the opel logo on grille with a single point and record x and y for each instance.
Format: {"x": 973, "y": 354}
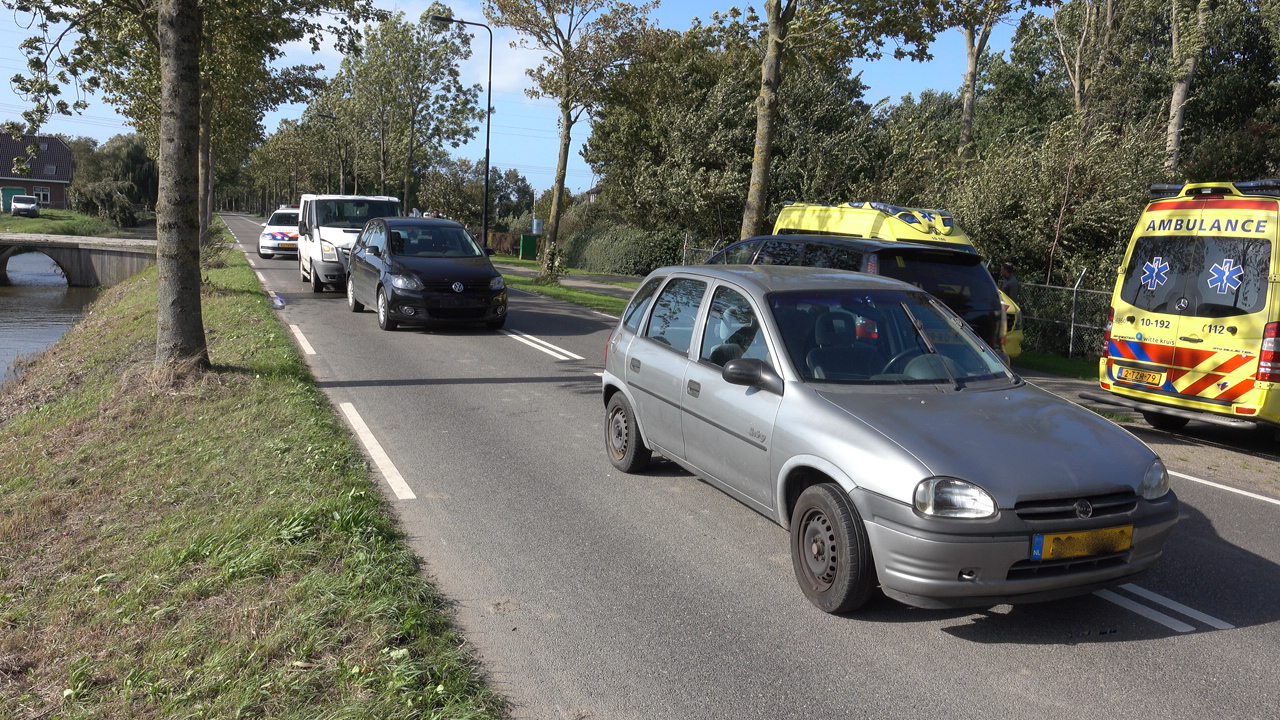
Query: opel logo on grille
{"x": 1083, "y": 509}
{"x": 457, "y": 287}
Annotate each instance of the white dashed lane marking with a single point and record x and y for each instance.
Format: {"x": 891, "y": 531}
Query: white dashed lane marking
{"x": 1151, "y": 613}
{"x": 302, "y": 340}
{"x": 1228, "y": 488}
{"x": 377, "y": 454}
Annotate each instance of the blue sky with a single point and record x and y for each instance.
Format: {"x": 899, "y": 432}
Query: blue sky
{"x": 524, "y": 132}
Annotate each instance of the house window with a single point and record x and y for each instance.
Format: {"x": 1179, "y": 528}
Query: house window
{"x": 50, "y": 169}
{"x": 44, "y": 146}
{"x": 41, "y": 193}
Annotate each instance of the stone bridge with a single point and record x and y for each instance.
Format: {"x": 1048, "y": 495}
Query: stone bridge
{"x": 84, "y": 261}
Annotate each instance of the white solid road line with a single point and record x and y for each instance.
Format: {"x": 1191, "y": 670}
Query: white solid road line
{"x": 1178, "y": 607}
{"x": 545, "y": 344}
{"x": 1146, "y": 612}
{"x": 541, "y": 345}
{"x": 260, "y": 278}
{"x": 1228, "y": 488}
{"x": 302, "y": 340}
{"x": 376, "y": 453}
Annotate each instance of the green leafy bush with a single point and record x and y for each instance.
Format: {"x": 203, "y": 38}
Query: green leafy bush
{"x": 105, "y": 199}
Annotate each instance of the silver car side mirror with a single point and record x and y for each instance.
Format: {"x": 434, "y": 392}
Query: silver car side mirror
{"x": 753, "y": 372}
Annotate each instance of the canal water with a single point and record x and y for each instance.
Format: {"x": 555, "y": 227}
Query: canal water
{"x": 37, "y": 310}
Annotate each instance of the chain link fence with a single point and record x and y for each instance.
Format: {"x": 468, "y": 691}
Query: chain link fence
{"x": 1067, "y": 321}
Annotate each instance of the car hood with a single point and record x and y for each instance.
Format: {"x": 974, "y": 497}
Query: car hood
{"x": 1017, "y": 443}
{"x": 445, "y": 269}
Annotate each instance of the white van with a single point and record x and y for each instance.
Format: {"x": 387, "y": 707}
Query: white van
{"x": 327, "y": 228}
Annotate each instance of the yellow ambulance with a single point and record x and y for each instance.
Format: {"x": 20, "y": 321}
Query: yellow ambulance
{"x": 882, "y": 221}
{"x": 1195, "y": 315}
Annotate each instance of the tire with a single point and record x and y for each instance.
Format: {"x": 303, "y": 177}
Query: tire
{"x": 830, "y": 551}
{"x": 384, "y": 312}
{"x": 622, "y": 439}
{"x": 316, "y": 285}
{"x": 496, "y": 324}
{"x": 353, "y": 304}
{"x": 1168, "y": 423}
{"x": 302, "y": 272}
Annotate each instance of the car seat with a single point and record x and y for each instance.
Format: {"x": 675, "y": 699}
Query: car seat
{"x": 839, "y": 354}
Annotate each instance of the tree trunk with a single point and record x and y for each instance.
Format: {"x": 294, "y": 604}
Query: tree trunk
{"x": 975, "y": 41}
{"x": 753, "y": 214}
{"x": 206, "y": 145}
{"x": 180, "y": 325}
{"x": 547, "y": 270}
{"x": 1182, "y": 86}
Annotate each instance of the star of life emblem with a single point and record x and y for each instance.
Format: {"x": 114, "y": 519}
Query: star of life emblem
{"x": 1155, "y": 273}
{"x": 1225, "y": 276}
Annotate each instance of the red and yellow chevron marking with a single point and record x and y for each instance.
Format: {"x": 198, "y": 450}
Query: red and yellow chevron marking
{"x": 1207, "y": 374}
{"x": 1197, "y": 373}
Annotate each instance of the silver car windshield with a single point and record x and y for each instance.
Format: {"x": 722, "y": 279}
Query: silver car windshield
{"x": 880, "y": 337}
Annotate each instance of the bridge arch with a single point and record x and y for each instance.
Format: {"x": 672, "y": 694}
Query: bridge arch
{"x": 8, "y": 252}
{"x": 84, "y": 261}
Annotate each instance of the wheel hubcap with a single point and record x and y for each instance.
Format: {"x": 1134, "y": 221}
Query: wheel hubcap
{"x": 820, "y": 552}
{"x": 382, "y": 308}
{"x": 618, "y": 433}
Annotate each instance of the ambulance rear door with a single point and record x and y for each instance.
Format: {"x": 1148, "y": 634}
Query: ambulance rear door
{"x": 1197, "y": 282}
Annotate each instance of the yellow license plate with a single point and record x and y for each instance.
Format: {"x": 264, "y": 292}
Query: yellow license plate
{"x": 1082, "y": 543}
{"x": 1143, "y": 376}
{"x": 288, "y": 246}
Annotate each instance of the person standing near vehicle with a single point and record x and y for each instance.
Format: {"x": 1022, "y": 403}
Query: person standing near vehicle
{"x": 1009, "y": 284}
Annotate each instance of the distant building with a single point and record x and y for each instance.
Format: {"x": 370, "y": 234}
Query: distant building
{"x": 51, "y": 172}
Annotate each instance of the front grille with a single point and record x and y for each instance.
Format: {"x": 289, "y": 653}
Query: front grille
{"x": 1031, "y": 569}
{"x": 457, "y": 313}
{"x": 446, "y": 286}
{"x": 1065, "y": 508}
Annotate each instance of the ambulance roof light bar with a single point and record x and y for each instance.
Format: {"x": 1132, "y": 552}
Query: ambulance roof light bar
{"x": 1260, "y": 187}
{"x": 1165, "y": 190}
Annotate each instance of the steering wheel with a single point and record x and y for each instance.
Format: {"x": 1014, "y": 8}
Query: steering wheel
{"x": 909, "y": 352}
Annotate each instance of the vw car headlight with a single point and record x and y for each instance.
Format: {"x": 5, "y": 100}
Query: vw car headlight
{"x": 1156, "y": 482}
{"x": 497, "y": 283}
{"x": 406, "y": 282}
{"x": 952, "y": 498}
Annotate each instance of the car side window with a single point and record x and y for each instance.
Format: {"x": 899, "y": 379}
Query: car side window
{"x": 639, "y": 303}
{"x": 378, "y": 237}
{"x": 732, "y": 331}
{"x": 837, "y": 257}
{"x": 736, "y": 254}
{"x": 674, "y": 313}
{"x": 363, "y": 240}
{"x": 778, "y": 252}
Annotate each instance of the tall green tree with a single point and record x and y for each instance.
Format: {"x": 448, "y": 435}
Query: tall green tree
{"x": 584, "y": 40}
{"x": 106, "y": 40}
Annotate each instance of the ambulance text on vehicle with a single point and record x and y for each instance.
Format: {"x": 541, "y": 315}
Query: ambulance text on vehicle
{"x": 1195, "y": 316}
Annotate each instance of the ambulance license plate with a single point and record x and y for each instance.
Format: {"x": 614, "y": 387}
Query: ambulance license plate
{"x": 1145, "y": 377}
{"x": 1082, "y": 543}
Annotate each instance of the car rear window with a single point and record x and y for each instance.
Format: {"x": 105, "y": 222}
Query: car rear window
{"x": 1198, "y": 276}
{"x": 957, "y": 280}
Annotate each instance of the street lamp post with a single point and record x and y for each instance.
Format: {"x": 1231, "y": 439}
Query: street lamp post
{"x": 488, "y": 112}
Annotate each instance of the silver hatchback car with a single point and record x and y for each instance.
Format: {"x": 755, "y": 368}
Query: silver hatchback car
{"x": 896, "y": 447}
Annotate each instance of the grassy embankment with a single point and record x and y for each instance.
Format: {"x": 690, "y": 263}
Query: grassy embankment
{"x": 59, "y": 222}
{"x": 205, "y": 544}
{"x": 593, "y": 300}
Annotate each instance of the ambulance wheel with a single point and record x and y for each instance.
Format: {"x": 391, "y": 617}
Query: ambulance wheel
{"x": 1168, "y": 423}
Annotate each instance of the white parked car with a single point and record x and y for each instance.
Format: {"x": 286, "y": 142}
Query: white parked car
{"x": 24, "y": 205}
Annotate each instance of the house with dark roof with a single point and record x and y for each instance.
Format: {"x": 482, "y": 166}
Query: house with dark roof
{"x": 51, "y": 171}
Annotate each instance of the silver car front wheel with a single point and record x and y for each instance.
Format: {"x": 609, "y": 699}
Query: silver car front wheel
{"x": 830, "y": 550}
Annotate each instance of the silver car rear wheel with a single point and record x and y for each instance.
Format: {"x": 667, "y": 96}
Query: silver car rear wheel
{"x": 627, "y": 451}
{"x": 830, "y": 550}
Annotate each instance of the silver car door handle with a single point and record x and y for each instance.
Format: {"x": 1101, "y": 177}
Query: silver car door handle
{"x": 694, "y": 388}
{"x": 635, "y": 365}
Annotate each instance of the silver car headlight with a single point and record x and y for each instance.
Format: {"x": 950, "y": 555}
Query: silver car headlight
{"x": 952, "y": 498}
{"x": 1155, "y": 483}
{"x": 497, "y": 283}
{"x": 406, "y": 282}
{"x": 327, "y": 252}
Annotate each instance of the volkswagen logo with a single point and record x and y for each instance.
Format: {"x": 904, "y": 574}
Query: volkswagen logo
{"x": 1083, "y": 509}
{"x": 457, "y": 287}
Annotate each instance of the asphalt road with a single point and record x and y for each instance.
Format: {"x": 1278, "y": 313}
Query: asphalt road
{"x": 587, "y": 593}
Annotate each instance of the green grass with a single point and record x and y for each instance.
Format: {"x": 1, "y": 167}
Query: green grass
{"x": 586, "y": 298}
{"x": 620, "y": 280}
{"x": 205, "y": 544}
{"x": 59, "y": 222}
{"x": 1079, "y": 368}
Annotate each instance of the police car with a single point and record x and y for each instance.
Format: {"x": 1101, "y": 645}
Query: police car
{"x": 280, "y": 233}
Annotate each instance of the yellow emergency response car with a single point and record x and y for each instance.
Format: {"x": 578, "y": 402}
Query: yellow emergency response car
{"x": 1195, "y": 315}
{"x": 882, "y": 221}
